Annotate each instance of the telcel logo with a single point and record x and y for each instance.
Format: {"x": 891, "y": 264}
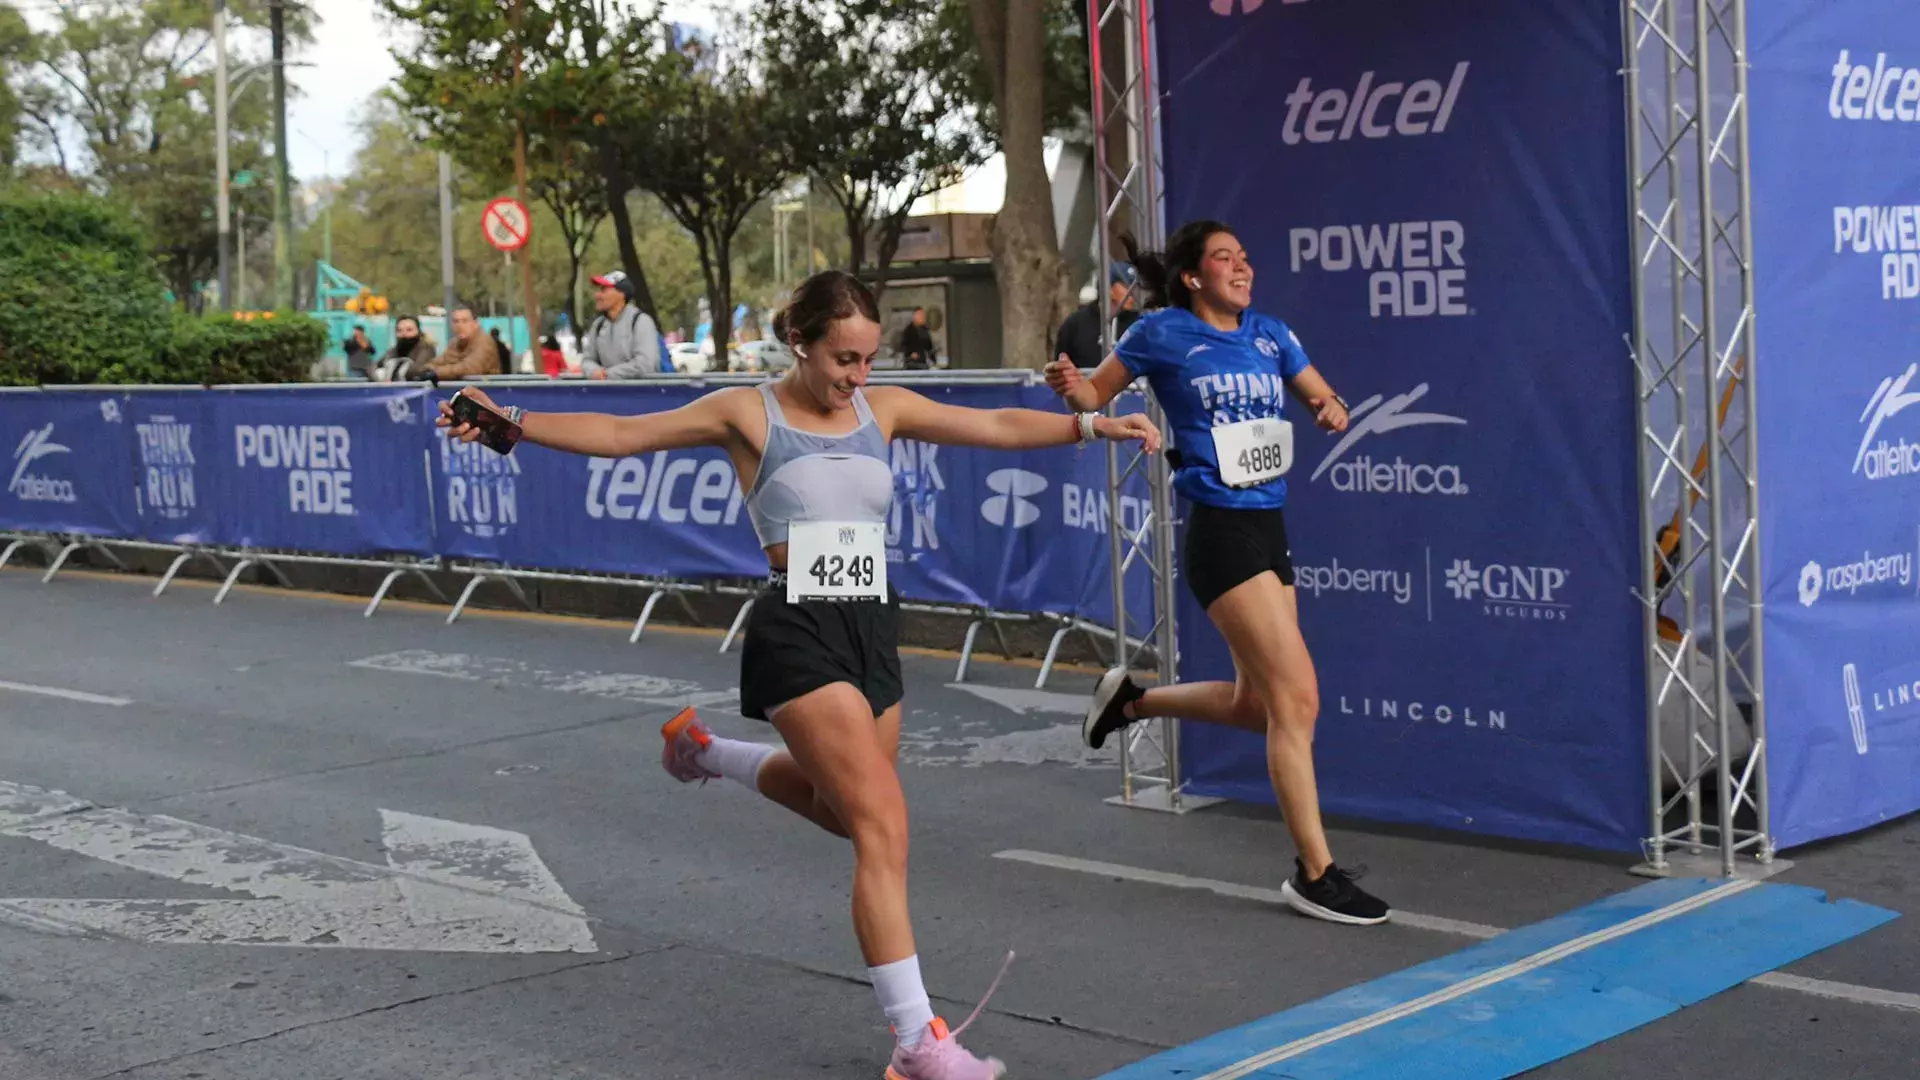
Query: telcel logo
{"x": 1336, "y": 114}
{"x": 1868, "y": 93}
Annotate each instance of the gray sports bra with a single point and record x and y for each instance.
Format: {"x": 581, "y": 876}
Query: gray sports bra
{"x": 809, "y": 477}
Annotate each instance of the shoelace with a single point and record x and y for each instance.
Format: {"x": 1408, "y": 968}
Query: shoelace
{"x": 984, "y": 998}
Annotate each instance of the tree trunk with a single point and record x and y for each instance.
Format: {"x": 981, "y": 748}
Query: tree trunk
{"x": 1034, "y": 292}
{"x": 618, "y": 185}
{"x": 721, "y": 278}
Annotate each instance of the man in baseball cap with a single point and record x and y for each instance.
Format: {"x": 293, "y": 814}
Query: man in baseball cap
{"x": 1079, "y": 337}
{"x": 623, "y": 342}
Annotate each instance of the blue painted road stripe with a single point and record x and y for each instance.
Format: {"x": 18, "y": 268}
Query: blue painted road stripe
{"x": 1535, "y": 994}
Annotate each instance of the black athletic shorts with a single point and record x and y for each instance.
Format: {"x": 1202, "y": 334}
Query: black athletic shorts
{"x": 793, "y": 649}
{"x": 1227, "y": 547}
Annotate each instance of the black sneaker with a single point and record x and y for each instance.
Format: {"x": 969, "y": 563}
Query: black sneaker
{"x": 1108, "y": 711}
{"x": 1334, "y": 897}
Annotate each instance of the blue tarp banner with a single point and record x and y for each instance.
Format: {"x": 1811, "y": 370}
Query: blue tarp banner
{"x": 172, "y": 464}
{"x": 1017, "y": 531}
{"x": 336, "y": 471}
{"x": 1836, "y": 192}
{"x": 66, "y": 464}
{"x": 1434, "y": 198}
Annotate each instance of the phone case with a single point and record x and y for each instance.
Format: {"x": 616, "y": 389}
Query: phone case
{"x": 497, "y": 433}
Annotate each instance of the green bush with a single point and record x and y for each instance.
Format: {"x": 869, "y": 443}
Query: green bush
{"x": 222, "y": 349}
{"x": 80, "y": 294}
{"x": 82, "y": 301}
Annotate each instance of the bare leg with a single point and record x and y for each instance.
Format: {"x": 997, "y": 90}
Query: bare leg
{"x": 783, "y": 781}
{"x": 836, "y": 746}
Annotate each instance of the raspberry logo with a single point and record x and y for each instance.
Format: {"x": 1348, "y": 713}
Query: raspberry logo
{"x": 1463, "y": 579}
{"x": 1811, "y": 578}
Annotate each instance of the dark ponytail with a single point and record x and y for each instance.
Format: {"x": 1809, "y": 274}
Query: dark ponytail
{"x": 819, "y": 302}
{"x": 1164, "y": 275}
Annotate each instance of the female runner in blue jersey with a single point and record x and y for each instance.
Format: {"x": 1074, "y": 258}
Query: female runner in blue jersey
{"x": 1221, "y": 372}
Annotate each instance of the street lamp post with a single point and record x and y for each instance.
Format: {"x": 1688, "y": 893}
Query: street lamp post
{"x": 221, "y": 211}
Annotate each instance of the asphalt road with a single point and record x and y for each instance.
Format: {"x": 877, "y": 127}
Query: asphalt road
{"x": 720, "y": 940}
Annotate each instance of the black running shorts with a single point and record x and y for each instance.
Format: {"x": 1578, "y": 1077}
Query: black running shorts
{"x": 1225, "y": 548}
{"x": 794, "y": 649}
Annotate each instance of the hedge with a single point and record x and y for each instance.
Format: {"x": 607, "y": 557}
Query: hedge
{"x": 82, "y": 301}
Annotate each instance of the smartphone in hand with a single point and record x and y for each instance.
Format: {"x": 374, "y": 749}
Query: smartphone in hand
{"x": 498, "y": 432}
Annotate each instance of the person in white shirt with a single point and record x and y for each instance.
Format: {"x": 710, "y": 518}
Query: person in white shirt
{"x": 623, "y": 342}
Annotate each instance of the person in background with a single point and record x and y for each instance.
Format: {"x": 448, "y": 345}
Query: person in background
{"x": 916, "y": 343}
{"x": 471, "y": 354}
{"x": 359, "y": 352}
{"x": 622, "y": 342}
{"x": 412, "y": 352}
{"x": 506, "y": 354}
{"x": 1078, "y": 340}
{"x": 552, "y": 361}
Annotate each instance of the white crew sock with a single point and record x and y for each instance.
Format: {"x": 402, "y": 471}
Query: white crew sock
{"x": 737, "y": 760}
{"x": 903, "y": 998}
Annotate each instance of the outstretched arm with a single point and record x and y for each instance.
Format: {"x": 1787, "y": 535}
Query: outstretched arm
{"x": 1088, "y": 394}
{"x": 1312, "y": 390}
{"x": 706, "y": 421}
{"x": 911, "y": 415}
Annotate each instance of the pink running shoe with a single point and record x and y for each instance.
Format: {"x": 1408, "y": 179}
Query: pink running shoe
{"x": 939, "y": 1055}
{"x": 686, "y": 737}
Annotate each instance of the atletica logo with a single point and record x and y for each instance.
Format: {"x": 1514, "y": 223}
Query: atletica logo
{"x": 166, "y": 462}
{"x": 1510, "y": 592}
{"x": 1883, "y": 93}
{"x": 1378, "y": 415}
{"x": 1815, "y": 581}
{"x": 37, "y": 444}
{"x": 1885, "y": 460}
{"x": 482, "y": 497}
{"x": 1414, "y": 269}
{"x": 1396, "y": 585}
{"x": 1011, "y": 505}
{"x": 1891, "y": 232}
{"x": 1336, "y": 114}
{"x": 317, "y": 458}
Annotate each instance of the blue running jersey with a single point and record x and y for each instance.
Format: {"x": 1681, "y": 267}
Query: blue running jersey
{"x": 1206, "y": 377}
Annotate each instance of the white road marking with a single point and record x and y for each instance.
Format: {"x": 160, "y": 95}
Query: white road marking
{"x": 449, "y": 887}
{"x": 1228, "y": 888}
{"x": 70, "y": 695}
{"x": 1838, "y": 991}
{"x": 1024, "y": 701}
{"x": 641, "y": 689}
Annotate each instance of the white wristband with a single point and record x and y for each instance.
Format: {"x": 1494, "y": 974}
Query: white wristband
{"x": 1086, "y": 427}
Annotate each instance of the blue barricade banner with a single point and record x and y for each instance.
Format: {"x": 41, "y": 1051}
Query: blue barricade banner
{"x": 337, "y": 471}
{"x": 1436, "y": 203}
{"x": 1017, "y": 531}
{"x": 68, "y": 463}
{"x": 172, "y": 463}
{"x": 1836, "y": 192}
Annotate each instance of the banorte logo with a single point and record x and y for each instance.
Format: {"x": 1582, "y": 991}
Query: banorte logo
{"x": 1011, "y": 504}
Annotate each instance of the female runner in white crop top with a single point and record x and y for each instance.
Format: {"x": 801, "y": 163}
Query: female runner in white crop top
{"x": 842, "y": 736}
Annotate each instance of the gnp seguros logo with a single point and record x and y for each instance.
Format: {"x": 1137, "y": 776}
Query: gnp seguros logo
{"x": 1510, "y": 591}
{"x": 1378, "y": 415}
{"x": 36, "y": 445}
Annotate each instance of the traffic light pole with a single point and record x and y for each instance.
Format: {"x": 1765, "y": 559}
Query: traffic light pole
{"x": 282, "y": 193}
{"x": 446, "y": 232}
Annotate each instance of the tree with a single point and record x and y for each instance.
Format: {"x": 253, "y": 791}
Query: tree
{"x": 131, "y": 85}
{"x": 1030, "y": 95}
{"x": 874, "y": 117}
{"x": 719, "y": 147}
{"x": 17, "y": 47}
{"x": 457, "y": 81}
